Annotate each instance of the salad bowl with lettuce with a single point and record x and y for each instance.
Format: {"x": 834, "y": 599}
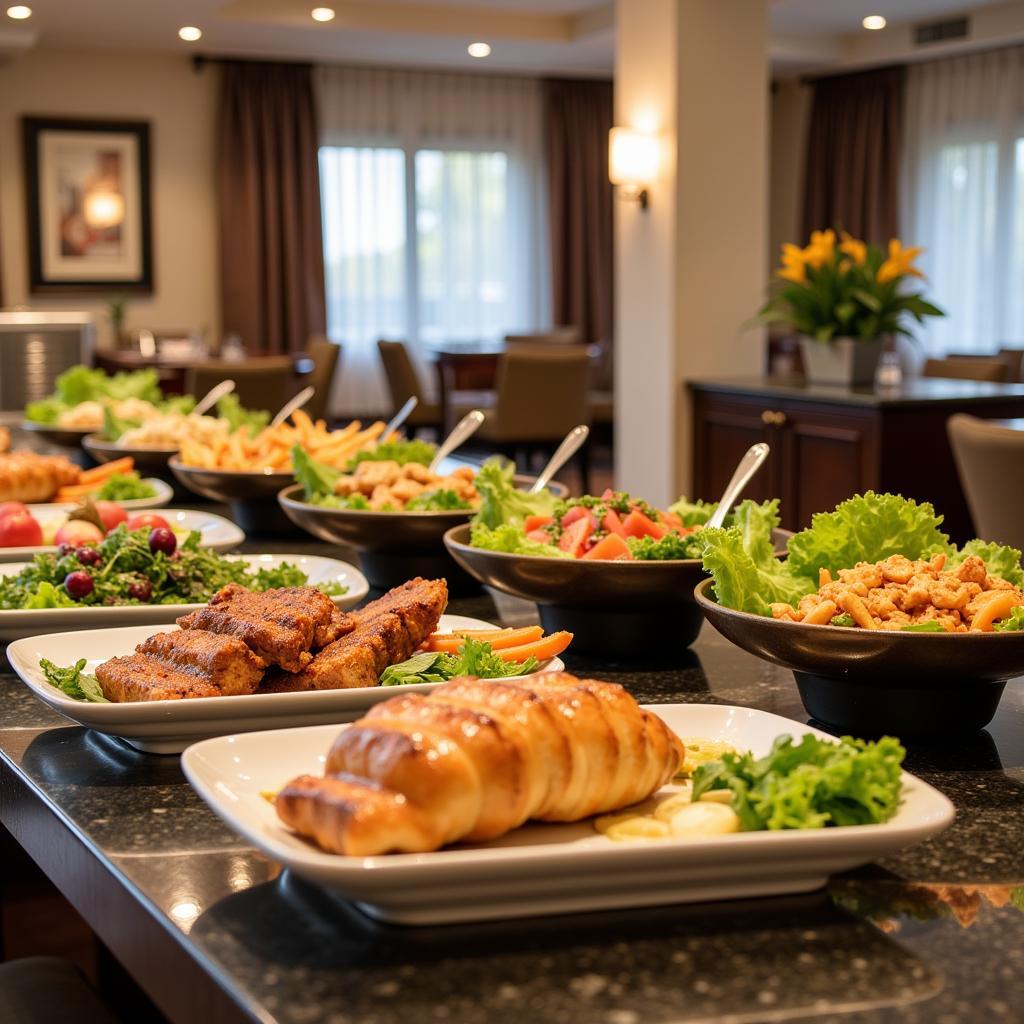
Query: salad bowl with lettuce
{"x": 393, "y": 545}
{"x": 913, "y": 682}
{"x": 611, "y": 569}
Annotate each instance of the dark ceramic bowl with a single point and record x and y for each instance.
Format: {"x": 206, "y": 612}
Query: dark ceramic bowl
{"x": 148, "y": 461}
{"x": 63, "y": 437}
{"x": 621, "y": 609}
{"x": 869, "y": 682}
{"x": 392, "y": 546}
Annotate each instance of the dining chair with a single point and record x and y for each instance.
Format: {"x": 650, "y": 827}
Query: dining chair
{"x": 325, "y": 356}
{"x": 261, "y": 382}
{"x": 990, "y": 461}
{"x": 404, "y": 382}
{"x": 565, "y": 335}
{"x": 541, "y": 395}
{"x": 961, "y": 368}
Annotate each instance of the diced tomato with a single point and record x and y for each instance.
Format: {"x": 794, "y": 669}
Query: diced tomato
{"x": 672, "y": 521}
{"x": 612, "y": 523}
{"x": 609, "y": 549}
{"x": 636, "y": 524}
{"x": 574, "y": 514}
{"x": 541, "y": 536}
{"x": 574, "y": 537}
{"x": 608, "y": 494}
{"x": 531, "y": 523}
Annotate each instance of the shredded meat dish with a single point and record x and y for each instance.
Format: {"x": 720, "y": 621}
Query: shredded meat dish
{"x": 388, "y": 484}
{"x": 899, "y": 592}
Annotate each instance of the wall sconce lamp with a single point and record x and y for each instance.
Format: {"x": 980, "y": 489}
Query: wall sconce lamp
{"x": 633, "y": 159}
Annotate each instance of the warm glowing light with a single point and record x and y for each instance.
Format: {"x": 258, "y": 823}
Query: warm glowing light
{"x": 479, "y": 50}
{"x": 103, "y": 209}
{"x": 633, "y": 158}
{"x": 19, "y": 12}
{"x": 322, "y": 14}
{"x": 190, "y": 33}
{"x": 874, "y": 22}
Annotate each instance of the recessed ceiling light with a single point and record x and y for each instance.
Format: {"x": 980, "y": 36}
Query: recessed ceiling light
{"x": 874, "y": 22}
{"x": 479, "y": 50}
{"x": 190, "y": 33}
{"x": 322, "y": 13}
{"x": 19, "y": 12}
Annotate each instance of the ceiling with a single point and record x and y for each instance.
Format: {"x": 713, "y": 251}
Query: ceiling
{"x": 573, "y": 37}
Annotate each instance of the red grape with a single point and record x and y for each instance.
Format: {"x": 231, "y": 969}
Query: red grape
{"x": 78, "y": 585}
{"x": 88, "y": 556}
{"x": 141, "y": 590}
{"x": 163, "y": 540}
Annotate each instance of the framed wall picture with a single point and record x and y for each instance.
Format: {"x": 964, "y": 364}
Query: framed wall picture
{"x": 88, "y": 191}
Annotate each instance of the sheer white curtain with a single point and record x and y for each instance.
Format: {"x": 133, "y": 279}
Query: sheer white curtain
{"x": 964, "y": 196}
{"x": 434, "y": 214}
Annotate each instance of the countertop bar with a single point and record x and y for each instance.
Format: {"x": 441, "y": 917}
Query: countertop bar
{"x": 213, "y": 933}
{"x": 916, "y": 391}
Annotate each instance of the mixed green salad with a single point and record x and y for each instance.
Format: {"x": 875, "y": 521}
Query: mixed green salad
{"x": 866, "y": 528}
{"x": 474, "y": 658}
{"x": 82, "y": 384}
{"x": 125, "y": 487}
{"x": 138, "y": 567}
{"x": 611, "y": 527}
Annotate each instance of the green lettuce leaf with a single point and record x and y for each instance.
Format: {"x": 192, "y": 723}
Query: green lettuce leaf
{"x": 474, "y": 658}
{"x": 500, "y": 502}
{"x": 693, "y": 513}
{"x": 402, "y": 452}
{"x": 442, "y": 500}
{"x": 1000, "y": 559}
{"x": 317, "y": 478}
{"x": 1012, "y": 623}
{"x": 511, "y": 540}
{"x": 238, "y": 417}
{"x": 866, "y": 528}
{"x": 47, "y": 595}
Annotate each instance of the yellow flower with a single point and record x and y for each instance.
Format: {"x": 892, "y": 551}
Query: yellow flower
{"x": 821, "y": 248}
{"x": 793, "y": 264}
{"x": 854, "y": 248}
{"x": 900, "y": 262}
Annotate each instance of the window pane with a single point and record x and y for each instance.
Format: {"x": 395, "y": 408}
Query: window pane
{"x": 463, "y": 246}
{"x": 363, "y": 203}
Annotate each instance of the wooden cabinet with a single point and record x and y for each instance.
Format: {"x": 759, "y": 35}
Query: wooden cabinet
{"x": 828, "y": 443}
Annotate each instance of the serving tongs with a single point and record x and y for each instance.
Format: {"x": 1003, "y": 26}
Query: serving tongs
{"x": 212, "y": 397}
{"x": 464, "y": 430}
{"x": 563, "y": 453}
{"x": 400, "y": 417}
{"x": 745, "y": 469}
{"x": 293, "y": 403}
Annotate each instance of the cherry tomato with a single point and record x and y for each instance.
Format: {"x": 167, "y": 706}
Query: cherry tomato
{"x": 77, "y": 532}
{"x": 111, "y": 513}
{"x": 10, "y": 507}
{"x": 147, "y": 521}
{"x": 20, "y": 530}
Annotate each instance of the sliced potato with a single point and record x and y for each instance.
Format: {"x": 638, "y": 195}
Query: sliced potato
{"x": 704, "y": 819}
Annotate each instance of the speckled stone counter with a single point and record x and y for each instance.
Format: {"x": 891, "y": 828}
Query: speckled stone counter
{"x": 213, "y": 931}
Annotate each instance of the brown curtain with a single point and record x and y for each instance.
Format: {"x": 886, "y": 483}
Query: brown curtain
{"x": 853, "y": 154}
{"x": 578, "y": 116}
{"x": 271, "y": 246}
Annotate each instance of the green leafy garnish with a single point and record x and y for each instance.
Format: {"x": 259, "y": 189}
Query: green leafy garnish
{"x": 511, "y": 540}
{"x": 1014, "y": 621}
{"x": 501, "y": 503}
{"x": 238, "y": 417}
{"x": 809, "y": 784}
{"x": 402, "y": 452}
{"x": 443, "y": 500}
{"x": 317, "y": 478}
{"x": 73, "y": 681}
{"x": 693, "y": 513}
{"x": 672, "y": 546}
{"x": 842, "y": 620}
{"x": 125, "y": 487}
{"x": 474, "y": 658}
{"x": 931, "y": 626}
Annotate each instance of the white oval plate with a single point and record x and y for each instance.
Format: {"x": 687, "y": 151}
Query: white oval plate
{"x": 168, "y": 726}
{"x": 216, "y": 532}
{"x": 16, "y": 623}
{"x": 164, "y": 493}
{"x": 552, "y": 868}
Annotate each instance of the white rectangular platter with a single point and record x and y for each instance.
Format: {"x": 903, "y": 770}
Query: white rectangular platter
{"x": 168, "y": 726}
{"x": 545, "y": 868}
{"x": 215, "y": 531}
{"x": 16, "y": 624}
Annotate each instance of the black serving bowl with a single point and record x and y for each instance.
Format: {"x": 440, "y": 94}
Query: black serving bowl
{"x": 393, "y": 546}
{"x": 148, "y": 461}
{"x": 63, "y": 437}
{"x": 868, "y": 682}
{"x": 619, "y": 609}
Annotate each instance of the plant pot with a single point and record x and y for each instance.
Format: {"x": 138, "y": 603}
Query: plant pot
{"x": 841, "y": 361}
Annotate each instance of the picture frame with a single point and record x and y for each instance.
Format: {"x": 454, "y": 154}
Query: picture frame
{"x": 87, "y": 190}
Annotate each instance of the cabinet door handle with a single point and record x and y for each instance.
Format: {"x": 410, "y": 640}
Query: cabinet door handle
{"x": 771, "y": 418}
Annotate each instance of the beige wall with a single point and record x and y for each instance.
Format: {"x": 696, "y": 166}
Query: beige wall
{"x": 180, "y": 106}
{"x": 790, "y": 112}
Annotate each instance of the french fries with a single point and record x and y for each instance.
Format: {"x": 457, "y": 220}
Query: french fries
{"x": 270, "y": 449}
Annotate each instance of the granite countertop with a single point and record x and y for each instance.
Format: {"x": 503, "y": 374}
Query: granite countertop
{"x": 913, "y": 391}
{"x": 932, "y": 936}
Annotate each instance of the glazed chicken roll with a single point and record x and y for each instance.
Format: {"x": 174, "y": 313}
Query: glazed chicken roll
{"x": 475, "y": 759}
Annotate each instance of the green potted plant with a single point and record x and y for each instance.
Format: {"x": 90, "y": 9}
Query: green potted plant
{"x": 116, "y": 308}
{"x": 844, "y": 298}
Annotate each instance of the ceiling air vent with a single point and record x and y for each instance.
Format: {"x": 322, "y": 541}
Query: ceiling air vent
{"x": 941, "y": 31}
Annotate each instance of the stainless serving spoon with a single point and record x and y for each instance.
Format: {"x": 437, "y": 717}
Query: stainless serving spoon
{"x": 400, "y": 417}
{"x": 745, "y": 469}
{"x": 464, "y": 430}
{"x": 563, "y": 453}
{"x": 210, "y": 399}
{"x": 293, "y": 403}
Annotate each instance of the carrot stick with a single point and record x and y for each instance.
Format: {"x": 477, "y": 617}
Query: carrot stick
{"x": 450, "y": 643}
{"x": 107, "y": 469}
{"x": 550, "y": 647}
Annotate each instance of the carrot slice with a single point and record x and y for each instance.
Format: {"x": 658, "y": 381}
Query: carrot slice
{"x": 107, "y": 469}
{"x": 549, "y": 647}
{"x": 450, "y": 643}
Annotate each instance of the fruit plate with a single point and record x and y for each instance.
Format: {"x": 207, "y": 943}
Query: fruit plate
{"x": 215, "y": 531}
{"x": 546, "y": 868}
{"x": 16, "y": 624}
{"x": 168, "y": 726}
